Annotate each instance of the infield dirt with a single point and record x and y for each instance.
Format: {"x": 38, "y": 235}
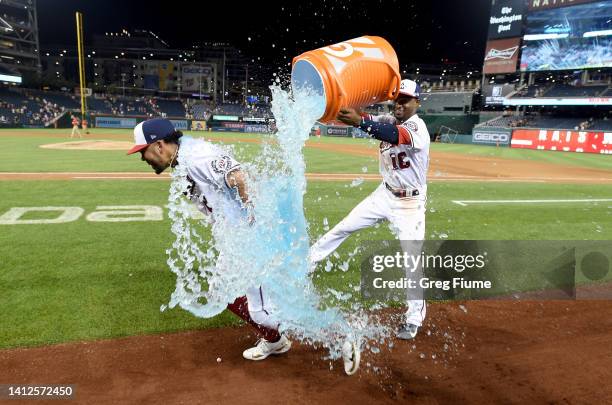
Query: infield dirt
{"x": 472, "y": 352}
{"x": 444, "y": 166}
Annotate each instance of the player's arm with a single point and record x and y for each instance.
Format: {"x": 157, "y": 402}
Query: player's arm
{"x": 236, "y": 179}
{"x": 386, "y": 132}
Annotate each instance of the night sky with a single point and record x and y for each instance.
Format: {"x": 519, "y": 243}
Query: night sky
{"x": 421, "y": 31}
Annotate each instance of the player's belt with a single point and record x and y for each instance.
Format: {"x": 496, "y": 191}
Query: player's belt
{"x": 400, "y": 193}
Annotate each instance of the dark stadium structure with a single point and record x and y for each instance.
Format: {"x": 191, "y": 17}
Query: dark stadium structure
{"x": 547, "y": 67}
{"x": 19, "y": 46}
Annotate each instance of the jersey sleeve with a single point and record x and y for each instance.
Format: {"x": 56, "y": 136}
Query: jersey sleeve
{"x": 413, "y": 133}
{"x": 213, "y": 169}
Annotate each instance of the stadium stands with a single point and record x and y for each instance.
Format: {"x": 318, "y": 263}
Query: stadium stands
{"x": 27, "y": 108}
{"x": 171, "y": 108}
{"x": 604, "y": 124}
{"x": 607, "y": 93}
{"x": 566, "y": 90}
{"x": 535, "y": 90}
{"x": 446, "y": 102}
{"x": 36, "y": 107}
{"x": 548, "y": 122}
{"x": 505, "y": 122}
{"x": 556, "y": 122}
{"x": 562, "y": 90}
{"x": 99, "y": 105}
{"x": 200, "y": 111}
{"x": 230, "y": 109}
{"x": 61, "y": 99}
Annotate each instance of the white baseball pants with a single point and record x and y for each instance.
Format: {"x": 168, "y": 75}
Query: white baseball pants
{"x": 260, "y": 308}
{"x": 407, "y": 220}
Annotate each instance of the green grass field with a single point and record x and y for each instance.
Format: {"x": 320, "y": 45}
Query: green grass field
{"x": 88, "y": 280}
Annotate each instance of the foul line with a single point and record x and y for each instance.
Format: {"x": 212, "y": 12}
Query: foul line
{"x": 465, "y": 203}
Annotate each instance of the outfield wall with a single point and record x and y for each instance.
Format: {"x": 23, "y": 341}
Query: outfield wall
{"x": 111, "y": 121}
{"x": 544, "y": 139}
{"x": 563, "y": 140}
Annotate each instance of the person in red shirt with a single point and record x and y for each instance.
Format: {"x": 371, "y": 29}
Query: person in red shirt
{"x": 75, "y": 127}
{"x": 84, "y": 124}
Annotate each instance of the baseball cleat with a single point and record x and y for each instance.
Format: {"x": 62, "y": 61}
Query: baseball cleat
{"x": 351, "y": 356}
{"x": 408, "y": 332}
{"x": 263, "y": 349}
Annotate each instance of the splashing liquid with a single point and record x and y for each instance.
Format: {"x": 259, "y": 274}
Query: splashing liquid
{"x": 272, "y": 252}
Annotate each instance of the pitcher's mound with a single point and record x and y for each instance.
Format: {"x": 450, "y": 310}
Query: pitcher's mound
{"x": 90, "y": 145}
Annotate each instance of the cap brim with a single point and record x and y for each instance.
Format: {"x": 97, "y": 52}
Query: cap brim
{"x": 137, "y": 148}
{"x": 401, "y": 93}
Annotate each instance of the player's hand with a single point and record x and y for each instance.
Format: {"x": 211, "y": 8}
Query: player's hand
{"x": 249, "y": 211}
{"x": 349, "y": 116}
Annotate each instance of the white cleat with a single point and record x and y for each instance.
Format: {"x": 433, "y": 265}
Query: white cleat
{"x": 351, "y": 356}
{"x": 408, "y": 332}
{"x": 263, "y": 349}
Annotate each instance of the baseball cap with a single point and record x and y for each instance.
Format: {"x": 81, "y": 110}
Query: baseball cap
{"x": 150, "y": 131}
{"x": 410, "y": 88}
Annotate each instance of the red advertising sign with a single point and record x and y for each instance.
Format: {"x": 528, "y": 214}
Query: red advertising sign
{"x": 501, "y": 56}
{"x": 542, "y": 4}
{"x": 562, "y": 140}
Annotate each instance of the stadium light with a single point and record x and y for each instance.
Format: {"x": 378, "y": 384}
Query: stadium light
{"x": 601, "y": 33}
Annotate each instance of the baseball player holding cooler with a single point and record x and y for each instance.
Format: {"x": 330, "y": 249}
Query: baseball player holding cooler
{"x": 217, "y": 182}
{"x": 400, "y": 198}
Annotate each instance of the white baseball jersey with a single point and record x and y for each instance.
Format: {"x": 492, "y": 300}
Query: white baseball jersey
{"x": 404, "y": 166}
{"x": 207, "y": 168}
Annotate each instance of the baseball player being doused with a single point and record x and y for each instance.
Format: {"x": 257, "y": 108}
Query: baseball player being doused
{"x": 400, "y": 198}
{"x": 218, "y": 187}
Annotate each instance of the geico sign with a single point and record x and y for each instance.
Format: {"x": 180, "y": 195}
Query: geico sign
{"x": 491, "y": 137}
{"x": 102, "y": 213}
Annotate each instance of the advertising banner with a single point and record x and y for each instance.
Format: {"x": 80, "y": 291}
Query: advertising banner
{"x": 150, "y": 75}
{"x": 256, "y": 128}
{"x": 506, "y": 19}
{"x": 501, "y": 56}
{"x": 198, "y": 125}
{"x": 495, "y": 94}
{"x": 491, "y": 136}
{"x": 180, "y": 124}
{"x": 543, "y": 4}
{"x": 115, "y": 122}
{"x": 166, "y": 75}
{"x": 234, "y": 125}
{"x": 196, "y": 78}
{"x": 337, "y": 131}
{"x": 563, "y": 140}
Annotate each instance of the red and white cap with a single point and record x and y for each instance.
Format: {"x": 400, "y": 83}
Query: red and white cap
{"x": 150, "y": 131}
{"x": 410, "y": 88}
